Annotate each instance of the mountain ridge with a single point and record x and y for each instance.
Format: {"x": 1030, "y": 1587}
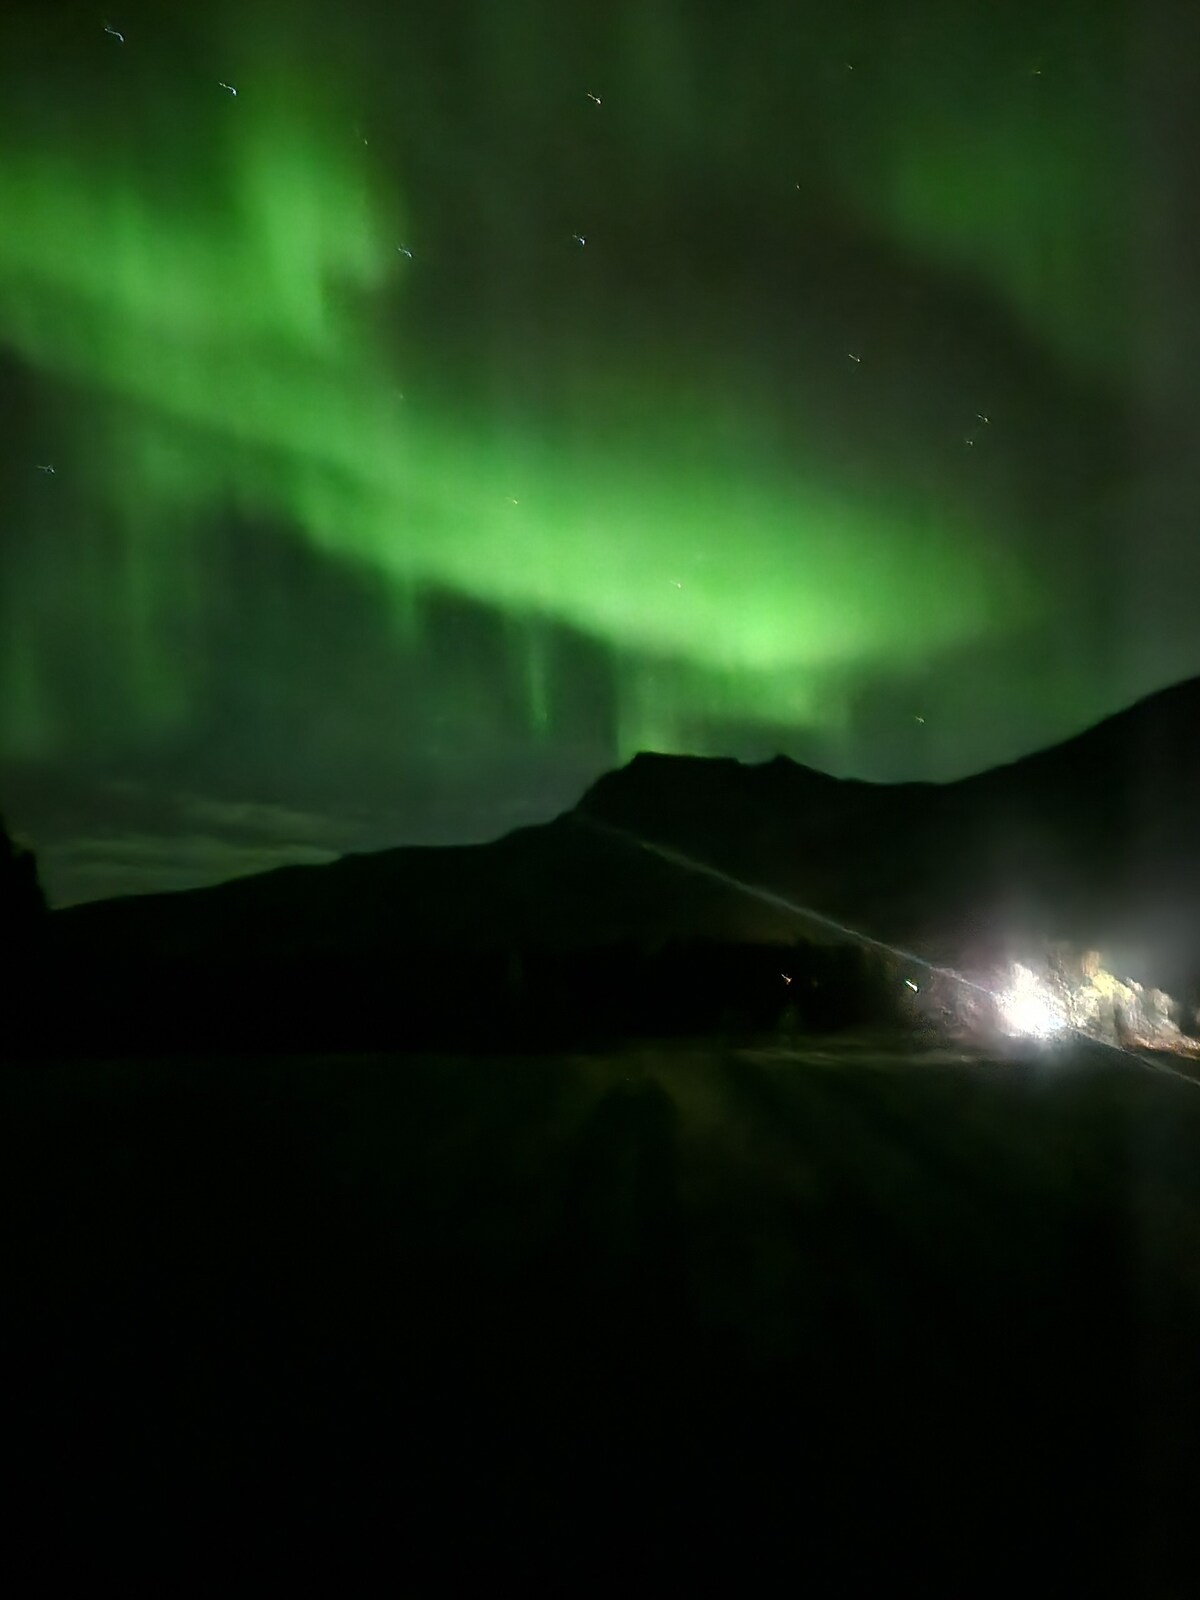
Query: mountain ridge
{"x": 1091, "y": 840}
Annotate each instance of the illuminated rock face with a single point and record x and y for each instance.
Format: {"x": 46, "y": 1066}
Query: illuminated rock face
{"x": 1122, "y": 1011}
{"x": 1071, "y": 994}
{"x": 1057, "y": 995}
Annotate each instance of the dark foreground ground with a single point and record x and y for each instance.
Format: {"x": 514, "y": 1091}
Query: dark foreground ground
{"x": 768, "y": 1318}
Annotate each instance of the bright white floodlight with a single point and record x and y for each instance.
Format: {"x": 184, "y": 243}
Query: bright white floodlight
{"x": 1029, "y": 1009}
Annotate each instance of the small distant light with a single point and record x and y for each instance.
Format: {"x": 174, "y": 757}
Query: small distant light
{"x": 910, "y": 984}
{"x": 785, "y": 977}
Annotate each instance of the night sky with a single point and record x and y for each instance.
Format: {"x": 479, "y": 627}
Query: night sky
{"x": 410, "y": 412}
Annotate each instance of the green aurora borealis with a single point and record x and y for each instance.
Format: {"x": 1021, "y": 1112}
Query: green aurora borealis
{"x": 429, "y": 436}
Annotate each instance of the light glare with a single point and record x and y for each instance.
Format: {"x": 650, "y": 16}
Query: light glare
{"x": 1029, "y": 1009}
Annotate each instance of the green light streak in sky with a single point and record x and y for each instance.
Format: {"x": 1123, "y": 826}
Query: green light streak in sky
{"x": 1022, "y": 210}
{"x": 1003, "y": 145}
{"x": 231, "y": 331}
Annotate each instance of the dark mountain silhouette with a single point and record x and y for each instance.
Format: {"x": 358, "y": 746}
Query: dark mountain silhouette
{"x": 23, "y": 921}
{"x": 22, "y": 905}
{"x": 1093, "y": 841}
